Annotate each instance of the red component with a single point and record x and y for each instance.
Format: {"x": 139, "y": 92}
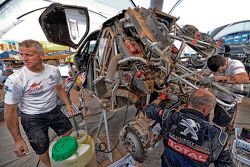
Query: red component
{"x": 131, "y": 47}
{"x": 138, "y": 49}
{"x": 140, "y": 74}
{"x": 218, "y": 43}
{"x": 197, "y": 37}
{"x": 163, "y": 96}
{"x": 174, "y": 50}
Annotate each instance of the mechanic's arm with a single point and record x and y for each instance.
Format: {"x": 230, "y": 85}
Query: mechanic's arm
{"x": 12, "y": 122}
{"x": 155, "y": 112}
{"x": 239, "y": 78}
{"x": 224, "y": 159}
{"x": 205, "y": 73}
{"x": 62, "y": 94}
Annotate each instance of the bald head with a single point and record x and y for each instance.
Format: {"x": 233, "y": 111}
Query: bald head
{"x": 202, "y": 100}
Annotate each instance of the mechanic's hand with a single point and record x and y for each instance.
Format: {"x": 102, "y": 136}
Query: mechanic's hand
{"x": 207, "y": 80}
{"x": 21, "y": 148}
{"x": 163, "y": 96}
{"x": 70, "y": 110}
{"x": 205, "y": 72}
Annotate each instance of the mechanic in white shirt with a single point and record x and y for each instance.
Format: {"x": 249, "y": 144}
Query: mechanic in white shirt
{"x": 230, "y": 74}
{"x": 34, "y": 88}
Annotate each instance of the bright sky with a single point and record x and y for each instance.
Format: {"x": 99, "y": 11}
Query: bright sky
{"x": 206, "y": 14}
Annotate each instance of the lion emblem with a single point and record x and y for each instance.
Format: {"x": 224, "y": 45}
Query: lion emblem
{"x": 191, "y": 127}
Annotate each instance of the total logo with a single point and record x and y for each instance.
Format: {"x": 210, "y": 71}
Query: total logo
{"x": 193, "y": 154}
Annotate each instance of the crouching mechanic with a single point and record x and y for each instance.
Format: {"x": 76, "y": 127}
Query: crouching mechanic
{"x": 230, "y": 74}
{"x": 34, "y": 88}
{"x": 189, "y": 140}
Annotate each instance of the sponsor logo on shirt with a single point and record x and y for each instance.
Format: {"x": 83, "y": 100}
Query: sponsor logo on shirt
{"x": 7, "y": 89}
{"x": 35, "y": 88}
{"x": 190, "y": 144}
{"x": 191, "y": 127}
{"x": 182, "y": 149}
{"x": 52, "y": 79}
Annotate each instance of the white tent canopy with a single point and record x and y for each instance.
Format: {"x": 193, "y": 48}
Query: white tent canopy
{"x": 15, "y": 28}
{"x": 205, "y": 15}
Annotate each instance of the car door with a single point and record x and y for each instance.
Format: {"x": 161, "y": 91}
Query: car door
{"x": 65, "y": 24}
{"x": 69, "y": 25}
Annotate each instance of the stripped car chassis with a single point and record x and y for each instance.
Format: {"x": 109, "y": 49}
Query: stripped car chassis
{"x": 138, "y": 59}
{"x": 138, "y": 54}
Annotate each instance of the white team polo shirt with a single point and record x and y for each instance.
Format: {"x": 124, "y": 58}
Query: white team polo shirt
{"x": 234, "y": 67}
{"x": 34, "y": 92}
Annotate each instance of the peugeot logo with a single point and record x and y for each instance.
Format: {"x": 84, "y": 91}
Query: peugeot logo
{"x": 191, "y": 127}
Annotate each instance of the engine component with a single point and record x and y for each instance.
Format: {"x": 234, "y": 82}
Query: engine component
{"x": 189, "y": 30}
{"x": 136, "y": 138}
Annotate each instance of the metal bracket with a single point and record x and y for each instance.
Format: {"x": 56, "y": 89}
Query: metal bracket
{"x": 104, "y": 119}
